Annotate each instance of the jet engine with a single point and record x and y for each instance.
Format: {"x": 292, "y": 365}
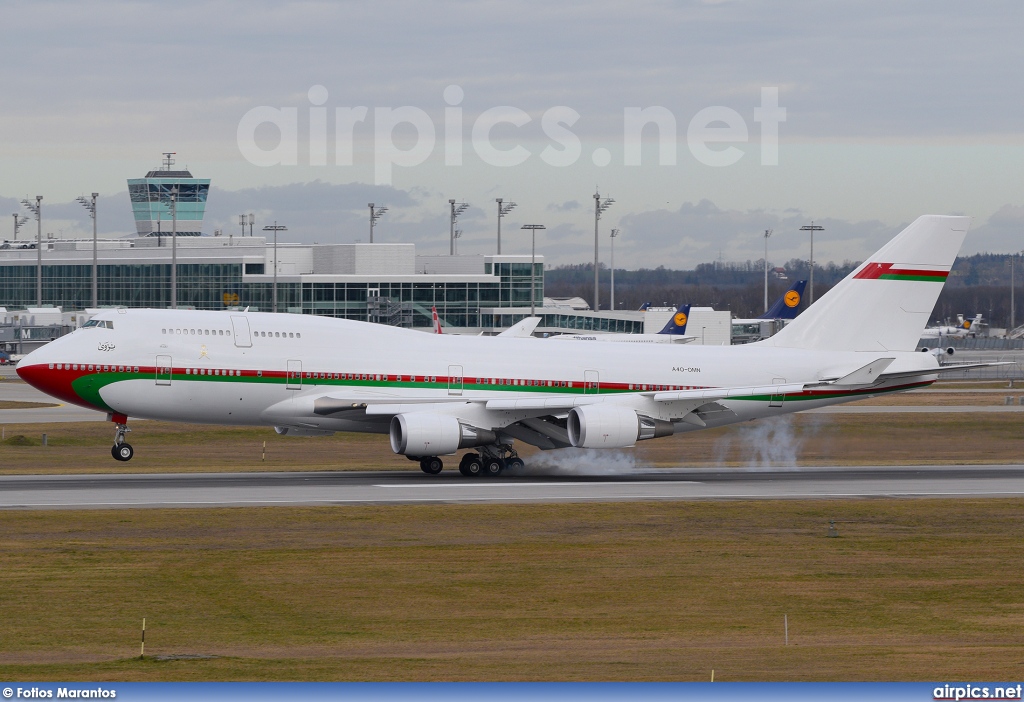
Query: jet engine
{"x": 612, "y": 426}
{"x": 429, "y": 434}
{"x": 296, "y": 431}
{"x": 939, "y": 352}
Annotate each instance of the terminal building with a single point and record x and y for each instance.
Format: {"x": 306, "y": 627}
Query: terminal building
{"x": 382, "y": 283}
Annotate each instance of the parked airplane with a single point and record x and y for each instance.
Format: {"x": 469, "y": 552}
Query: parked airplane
{"x": 437, "y": 394}
{"x": 785, "y": 308}
{"x": 674, "y": 331}
{"x": 964, "y": 327}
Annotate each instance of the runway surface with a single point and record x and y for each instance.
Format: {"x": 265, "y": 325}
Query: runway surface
{"x": 407, "y": 487}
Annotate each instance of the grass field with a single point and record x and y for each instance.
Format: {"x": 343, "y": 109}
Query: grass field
{"x": 910, "y": 590}
{"x": 793, "y": 440}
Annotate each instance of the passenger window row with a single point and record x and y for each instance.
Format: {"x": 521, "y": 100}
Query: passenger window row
{"x": 279, "y": 335}
{"x": 199, "y": 332}
{"x": 94, "y": 367}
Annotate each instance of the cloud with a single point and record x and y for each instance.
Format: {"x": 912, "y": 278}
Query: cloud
{"x": 1002, "y": 233}
{"x": 565, "y": 206}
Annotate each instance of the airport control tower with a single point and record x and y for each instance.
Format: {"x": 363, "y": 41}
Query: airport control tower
{"x": 151, "y": 200}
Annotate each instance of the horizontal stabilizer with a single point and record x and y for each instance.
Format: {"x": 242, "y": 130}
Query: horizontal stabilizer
{"x": 868, "y": 375}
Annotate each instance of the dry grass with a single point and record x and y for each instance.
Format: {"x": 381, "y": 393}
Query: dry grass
{"x": 802, "y": 439}
{"x": 911, "y": 590}
{"x": 12, "y": 404}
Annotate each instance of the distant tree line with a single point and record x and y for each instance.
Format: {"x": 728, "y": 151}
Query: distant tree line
{"x": 978, "y": 283}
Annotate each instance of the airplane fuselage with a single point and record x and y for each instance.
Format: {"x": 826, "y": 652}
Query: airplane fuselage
{"x": 251, "y": 368}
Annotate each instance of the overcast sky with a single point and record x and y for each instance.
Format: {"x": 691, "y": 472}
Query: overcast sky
{"x": 892, "y": 110}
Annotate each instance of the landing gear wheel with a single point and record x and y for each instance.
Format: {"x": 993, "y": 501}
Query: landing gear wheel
{"x": 432, "y": 465}
{"x": 515, "y": 464}
{"x": 471, "y": 466}
{"x": 493, "y": 466}
{"x": 122, "y": 452}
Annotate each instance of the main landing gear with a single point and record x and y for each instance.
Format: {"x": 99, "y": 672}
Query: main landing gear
{"x": 491, "y": 461}
{"x": 121, "y": 450}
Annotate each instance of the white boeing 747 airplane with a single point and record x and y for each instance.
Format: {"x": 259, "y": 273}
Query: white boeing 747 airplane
{"x": 436, "y": 394}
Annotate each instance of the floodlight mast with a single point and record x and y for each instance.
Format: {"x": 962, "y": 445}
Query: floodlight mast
{"x": 91, "y": 206}
{"x": 599, "y": 208}
{"x": 37, "y": 210}
{"x": 812, "y": 227}
{"x": 19, "y": 220}
{"x": 533, "y": 264}
{"x": 375, "y": 214}
{"x": 174, "y": 243}
{"x": 241, "y": 221}
{"x": 252, "y": 221}
{"x": 457, "y": 209}
{"x": 275, "y": 228}
{"x": 615, "y": 233}
{"x": 502, "y": 211}
{"x": 767, "y": 233}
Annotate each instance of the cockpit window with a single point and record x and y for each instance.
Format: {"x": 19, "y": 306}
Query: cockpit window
{"x": 104, "y": 323}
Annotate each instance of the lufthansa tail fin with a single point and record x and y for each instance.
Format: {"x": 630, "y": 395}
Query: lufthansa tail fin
{"x": 677, "y": 325}
{"x": 788, "y": 305}
{"x": 885, "y": 303}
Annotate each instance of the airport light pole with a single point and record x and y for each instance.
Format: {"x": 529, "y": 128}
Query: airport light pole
{"x": 502, "y": 211}
{"x": 275, "y": 228}
{"x": 19, "y": 220}
{"x": 615, "y": 233}
{"x": 1013, "y": 316}
{"x": 811, "y": 228}
{"x": 174, "y": 247}
{"x": 599, "y": 208}
{"x": 767, "y": 233}
{"x": 457, "y": 209}
{"x": 91, "y": 206}
{"x": 375, "y": 214}
{"x": 252, "y": 221}
{"x": 37, "y": 210}
{"x": 533, "y": 265}
{"x": 241, "y": 221}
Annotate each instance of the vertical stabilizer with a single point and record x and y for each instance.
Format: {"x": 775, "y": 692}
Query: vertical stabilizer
{"x": 885, "y": 303}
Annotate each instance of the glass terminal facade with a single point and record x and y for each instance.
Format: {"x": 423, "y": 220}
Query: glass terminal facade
{"x": 407, "y": 299}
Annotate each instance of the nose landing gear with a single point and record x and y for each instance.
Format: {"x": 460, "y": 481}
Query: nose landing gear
{"x": 121, "y": 450}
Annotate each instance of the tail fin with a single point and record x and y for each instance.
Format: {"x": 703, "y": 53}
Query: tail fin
{"x": 971, "y": 323}
{"x": 677, "y": 325}
{"x": 885, "y": 303}
{"x": 437, "y": 322}
{"x": 786, "y": 307}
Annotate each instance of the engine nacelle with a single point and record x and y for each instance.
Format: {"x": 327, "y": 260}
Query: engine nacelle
{"x": 295, "y": 431}
{"x": 612, "y": 426}
{"x": 939, "y": 352}
{"x": 430, "y": 434}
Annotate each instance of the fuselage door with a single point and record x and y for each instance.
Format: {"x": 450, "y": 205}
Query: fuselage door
{"x": 163, "y": 370}
{"x": 591, "y": 382}
{"x": 777, "y": 397}
{"x": 240, "y": 326}
{"x": 294, "y": 375}
{"x": 455, "y": 380}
